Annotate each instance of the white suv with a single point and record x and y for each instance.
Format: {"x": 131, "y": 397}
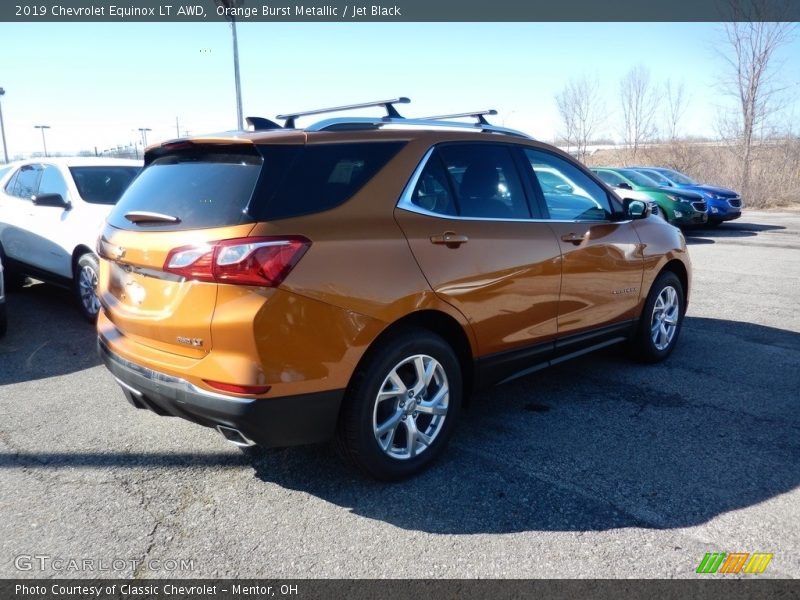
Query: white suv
{"x": 51, "y": 211}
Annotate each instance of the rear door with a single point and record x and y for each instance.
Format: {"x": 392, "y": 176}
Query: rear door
{"x": 468, "y": 222}
{"x": 183, "y": 199}
{"x": 16, "y": 212}
{"x": 602, "y": 258}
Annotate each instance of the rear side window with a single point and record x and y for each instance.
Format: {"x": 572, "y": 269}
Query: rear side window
{"x": 201, "y": 189}
{"x": 316, "y": 177}
{"x": 103, "y": 184}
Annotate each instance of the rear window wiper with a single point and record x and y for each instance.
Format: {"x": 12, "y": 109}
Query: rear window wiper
{"x": 141, "y": 216}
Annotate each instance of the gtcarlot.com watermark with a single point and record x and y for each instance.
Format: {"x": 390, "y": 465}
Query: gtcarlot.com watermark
{"x": 59, "y": 564}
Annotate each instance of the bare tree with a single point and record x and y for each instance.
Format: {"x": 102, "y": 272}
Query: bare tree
{"x": 751, "y": 69}
{"x": 639, "y": 104}
{"x": 675, "y": 97}
{"x": 581, "y": 109}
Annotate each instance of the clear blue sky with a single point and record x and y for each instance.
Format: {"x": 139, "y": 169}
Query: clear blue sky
{"x": 95, "y": 84}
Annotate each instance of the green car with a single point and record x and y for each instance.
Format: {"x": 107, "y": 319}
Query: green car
{"x": 679, "y": 207}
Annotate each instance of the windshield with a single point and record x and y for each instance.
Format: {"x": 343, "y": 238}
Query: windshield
{"x": 638, "y": 178}
{"x": 103, "y": 184}
{"x": 200, "y": 188}
{"x": 680, "y": 178}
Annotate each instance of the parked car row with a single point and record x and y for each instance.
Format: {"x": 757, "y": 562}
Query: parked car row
{"x": 682, "y": 200}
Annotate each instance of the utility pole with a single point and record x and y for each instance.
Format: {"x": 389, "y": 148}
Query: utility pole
{"x": 144, "y": 131}
{"x": 236, "y": 79}
{"x": 2, "y": 127}
{"x": 44, "y": 144}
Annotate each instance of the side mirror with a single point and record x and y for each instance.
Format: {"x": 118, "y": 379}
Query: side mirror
{"x": 624, "y": 186}
{"x": 636, "y": 209}
{"x": 52, "y": 200}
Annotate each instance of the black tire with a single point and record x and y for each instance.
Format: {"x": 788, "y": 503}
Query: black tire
{"x": 87, "y": 271}
{"x": 3, "y": 319}
{"x": 357, "y": 433}
{"x": 643, "y": 345}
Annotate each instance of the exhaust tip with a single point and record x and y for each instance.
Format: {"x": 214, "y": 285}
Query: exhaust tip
{"x": 235, "y": 437}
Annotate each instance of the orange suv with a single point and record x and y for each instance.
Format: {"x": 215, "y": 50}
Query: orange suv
{"x": 355, "y": 280}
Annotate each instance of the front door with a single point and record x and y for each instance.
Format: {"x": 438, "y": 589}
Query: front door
{"x": 602, "y": 259}
{"x": 468, "y": 223}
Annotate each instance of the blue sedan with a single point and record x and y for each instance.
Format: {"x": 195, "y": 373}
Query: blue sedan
{"x": 723, "y": 204}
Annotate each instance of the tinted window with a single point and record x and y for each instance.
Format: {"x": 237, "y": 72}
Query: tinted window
{"x": 53, "y": 183}
{"x": 103, "y": 184}
{"x": 202, "y": 189}
{"x": 679, "y": 178}
{"x": 316, "y": 177}
{"x": 609, "y": 177}
{"x": 27, "y": 182}
{"x": 485, "y": 181}
{"x": 657, "y": 177}
{"x": 432, "y": 192}
{"x": 638, "y": 178}
{"x": 580, "y": 199}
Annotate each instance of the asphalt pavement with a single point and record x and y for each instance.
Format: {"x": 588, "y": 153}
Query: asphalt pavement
{"x": 599, "y": 467}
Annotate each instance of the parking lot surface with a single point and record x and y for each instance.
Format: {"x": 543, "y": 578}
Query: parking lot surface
{"x": 595, "y": 468}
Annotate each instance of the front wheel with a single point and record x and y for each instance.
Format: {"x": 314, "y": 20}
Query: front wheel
{"x": 86, "y": 286}
{"x": 401, "y": 406}
{"x": 661, "y": 319}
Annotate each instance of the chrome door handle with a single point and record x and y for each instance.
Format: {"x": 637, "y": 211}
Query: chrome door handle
{"x": 450, "y": 239}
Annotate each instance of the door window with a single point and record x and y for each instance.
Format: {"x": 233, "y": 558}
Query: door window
{"x": 610, "y": 178}
{"x": 485, "y": 181}
{"x": 52, "y": 182}
{"x": 27, "y": 181}
{"x": 569, "y": 194}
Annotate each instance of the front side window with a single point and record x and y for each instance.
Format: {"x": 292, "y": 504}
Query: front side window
{"x": 26, "y": 183}
{"x": 610, "y": 178}
{"x": 656, "y": 178}
{"x": 52, "y": 182}
{"x": 578, "y": 198}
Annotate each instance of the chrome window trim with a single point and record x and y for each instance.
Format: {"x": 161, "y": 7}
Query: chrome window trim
{"x": 405, "y": 203}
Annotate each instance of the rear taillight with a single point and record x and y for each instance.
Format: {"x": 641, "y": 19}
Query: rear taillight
{"x": 261, "y": 261}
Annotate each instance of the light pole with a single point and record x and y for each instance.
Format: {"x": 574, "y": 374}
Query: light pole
{"x": 144, "y": 131}
{"x": 2, "y": 127}
{"x": 235, "y": 4}
{"x": 43, "y": 127}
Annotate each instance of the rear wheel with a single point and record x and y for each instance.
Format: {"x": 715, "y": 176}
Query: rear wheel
{"x": 86, "y": 286}
{"x": 661, "y": 319}
{"x": 401, "y": 406}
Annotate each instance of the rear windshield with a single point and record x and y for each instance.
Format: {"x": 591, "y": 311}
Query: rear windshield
{"x": 103, "y": 184}
{"x": 200, "y": 189}
{"x": 219, "y": 187}
{"x": 307, "y": 179}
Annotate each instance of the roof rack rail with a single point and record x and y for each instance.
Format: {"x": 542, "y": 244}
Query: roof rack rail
{"x": 478, "y": 114}
{"x": 391, "y": 111}
{"x": 356, "y": 123}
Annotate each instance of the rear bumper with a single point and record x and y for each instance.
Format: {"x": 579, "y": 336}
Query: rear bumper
{"x": 284, "y": 421}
